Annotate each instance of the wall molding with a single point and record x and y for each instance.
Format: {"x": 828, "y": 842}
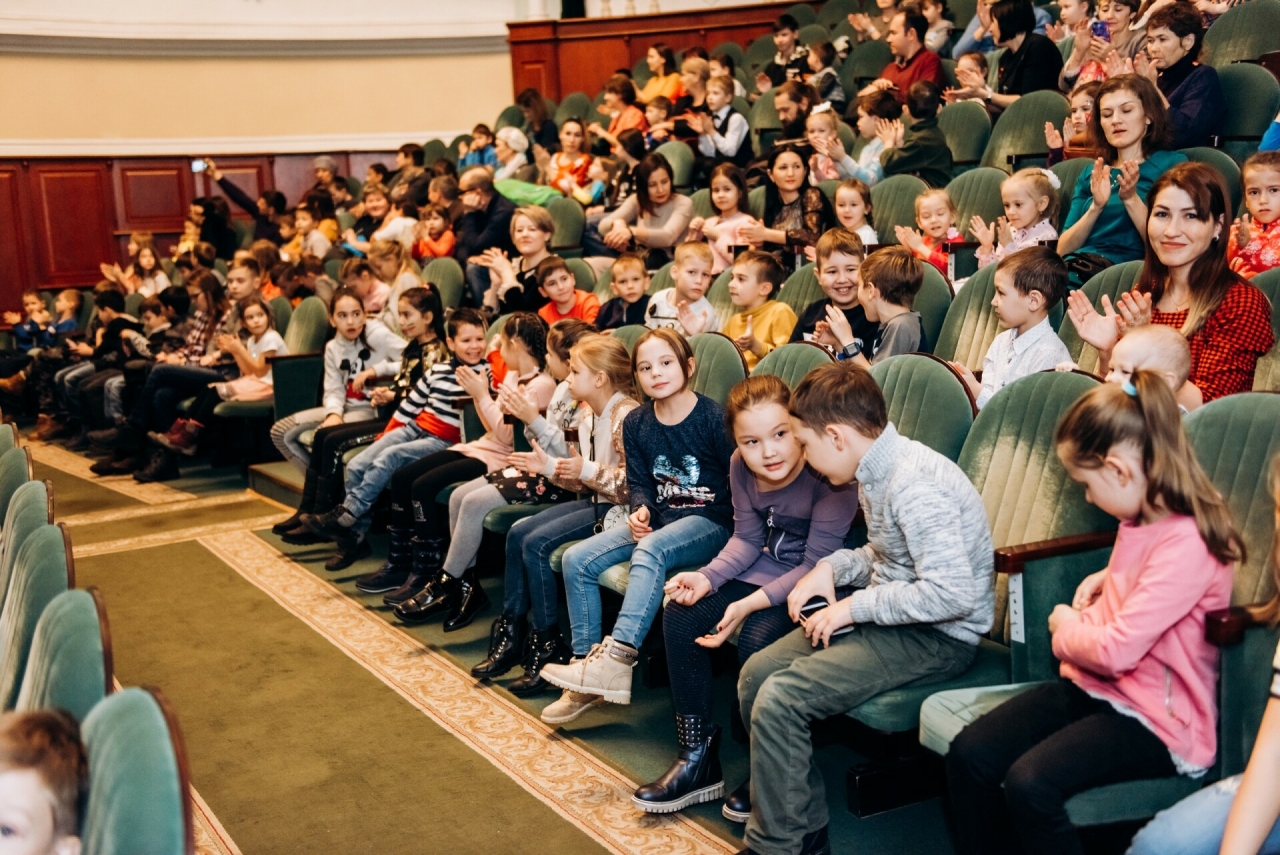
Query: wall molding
{"x": 199, "y": 146}
{"x": 61, "y": 45}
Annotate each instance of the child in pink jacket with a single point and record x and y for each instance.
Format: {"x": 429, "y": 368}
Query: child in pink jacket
{"x": 1137, "y": 698}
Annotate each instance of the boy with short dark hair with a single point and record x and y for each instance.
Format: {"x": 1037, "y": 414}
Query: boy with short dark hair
{"x": 629, "y": 281}
{"x": 790, "y": 62}
{"x": 840, "y": 321}
{"x": 891, "y": 278}
{"x": 921, "y": 150}
{"x": 1028, "y": 284}
{"x": 43, "y": 776}
{"x": 762, "y": 323}
{"x": 924, "y": 595}
{"x": 556, "y": 282}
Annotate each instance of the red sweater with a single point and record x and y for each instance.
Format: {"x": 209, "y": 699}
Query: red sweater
{"x": 925, "y": 65}
{"x": 1225, "y": 350}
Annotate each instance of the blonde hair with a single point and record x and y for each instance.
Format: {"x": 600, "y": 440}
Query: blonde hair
{"x": 627, "y": 259}
{"x": 1107, "y": 416}
{"x": 540, "y": 217}
{"x": 697, "y": 65}
{"x": 391, "y": 250}
{"x": 830, "y": 115}
{"x": 602, "y": 354}
{"x": 1167, "y": 348}
{"x": 1040, "y": 187}
{"x": 723, "y": 82}
{"x": 939, "y": 193}
{"x": 696, "y": 249}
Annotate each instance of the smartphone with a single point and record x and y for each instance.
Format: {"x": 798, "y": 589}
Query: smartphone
{"x": 817, "y": 604}
{"x": 1102, "y": 30}
{"x": 197, "y": 165}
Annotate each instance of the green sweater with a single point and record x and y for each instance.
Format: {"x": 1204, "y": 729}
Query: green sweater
{"x": 924, "y": 153}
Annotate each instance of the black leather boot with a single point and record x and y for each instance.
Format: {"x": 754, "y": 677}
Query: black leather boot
{"x": 470, "y": 601}
{"x": 694, "y": 777}
{"x": 395, "y": 571}
{"x": 438, "y": 595}
{"x": 737, "y": 807}
{"x": 545, "y": 646}
{"x": 306, "y": 505}
{"x": 427, "y": 558}
{"x": 507, "y": 643}
{"x": 162, "y": 467}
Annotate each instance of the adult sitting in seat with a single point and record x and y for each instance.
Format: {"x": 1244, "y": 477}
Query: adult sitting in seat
{"x": 1030, "y": 61}
{"x": 911, "y": 60}
{"x": 485, "y": 225}
{"x": 1108, "y": 214}
{"x": 620, "y": 106}
{"x": 655, "y": 218}
{"x": 1187, "y": 285}
{"x": 665, "y": 81}
{"x": 1190, "y": 89}
{"x": 513, "y": 282}
{"x": 265, "y": 211}
{"x": 977, "y": 35}
{"x": 794, "y": 100}
{"x": 795, "y": 214}
{"x": 411, "y": 182}
{"x": 1098, "y": 57}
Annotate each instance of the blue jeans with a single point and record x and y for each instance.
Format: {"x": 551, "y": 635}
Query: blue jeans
{"x": 691, "y": 541}
{"x": 477, "y": 283}
{"x": 113, "y": 400}
{"x": 1195, "y": 825}
{"x": 67, "y": 384}
{"x": 529, "y": 584}
{"x": 369, "y": 472}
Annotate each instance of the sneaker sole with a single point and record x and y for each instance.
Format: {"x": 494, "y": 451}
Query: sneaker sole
{"x": 613, "y": 696}
{"x": 734, "y": 815}
{"x": 697, "y": 797}
{"x": 567, "y": 718}
{"x": 382, "y": 589}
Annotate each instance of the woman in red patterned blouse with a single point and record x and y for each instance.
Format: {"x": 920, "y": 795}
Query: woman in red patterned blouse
{"x": 1186, "y": 284}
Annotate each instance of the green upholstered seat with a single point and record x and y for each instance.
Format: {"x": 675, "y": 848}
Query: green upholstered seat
{"x": 926, "y": 401}
{"x": 865, "y": 64}
{"x": 893, "y": 202}
{"x": 495, "y": 328}
{"x": 584, "y": 279}
{"x": 445, "y": 275}
{"x": 718, "y": 366}
{"x": 1244, "y": 32}
{"x": 510, "y": 117}
{"x": 944, "y": 714}
{"x": 15, "y": 470}
{"x": 1222, "y": 162}
{"x": 296, "y": 377}
{"x": 132, "y": 302}
{"x": 1020, "y": 129}
{"x": 434, "y": 149}
{"x": 801, "y": 289}
{"x": 718, "y": 297}
{"x": 732, "y": 49}
{"x": 967, "y": 127}
{"x": 8, "y": 437}
{"x": 604, "y": 289}
{"x": 811, "y": 34}
{"x": 835, "y": 11}
{"x": 661, "y": 279}
{"x": 971, "y": 323}
{"x": 630, "y": 334}
{"x": 792, "y": 362}
{"x": 281, "y": 314}
{"x": 933, "y": 302}
{"x": 69, "y": 666}
{"x": 1111, "y": 282}
{"x": 1068, "y": 172}
{"x": 755, "y": 201}
{"x": 41, "y": 571}
{"x": 455, "y": 145}
{"x": 1266, "y": 378}
{"x": 570, "y": 221}
{"x": 764, "y": 122}
{"x": 977, "y": 192}
{"x": 29, "y": 509}
{"x": 576, "y": 105}
{"x": 139, "y": 801}
{"x": 803, "y": 13}
{"x": 680, "y": 156}
{"x": 702, "y": 206}
{"x": 1252, "y": 94}
{"x": 758, "y": 53}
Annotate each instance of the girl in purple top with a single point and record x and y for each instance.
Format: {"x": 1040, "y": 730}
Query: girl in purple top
{"x": 786, "y": 519}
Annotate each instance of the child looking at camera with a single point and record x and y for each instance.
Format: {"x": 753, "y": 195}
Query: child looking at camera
{"x": 762, "y": 324}
{"x": 629, "y": 281}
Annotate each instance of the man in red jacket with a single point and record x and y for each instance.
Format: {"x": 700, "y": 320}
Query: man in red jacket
{"x": 911, "y": 61}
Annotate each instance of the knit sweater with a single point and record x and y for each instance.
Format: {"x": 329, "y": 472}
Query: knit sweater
{"x": 496, "y": 445}
{"x": 662, "y": 229}
{"x": 771, "y": 324}
{"x": 929, "y": 557}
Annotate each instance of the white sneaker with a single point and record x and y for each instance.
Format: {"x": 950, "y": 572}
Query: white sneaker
{"x": 570, "y": 706}
{"x": 605, "y": 671}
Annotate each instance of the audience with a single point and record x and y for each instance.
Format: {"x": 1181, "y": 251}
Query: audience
{"x": 790, "y": 62}
{"x": 1190, "y": 89}
{"x": 411, "y": 180}
{"x": 620, "y": 105}
{"x": 795, "y": 213}
{"x": 761, "y": 324}
{"x": 486, "y": 226}
{"x": 1252, "y": 247}
{"x": 912, "y": 61}
{"x": 1030, "y": 62}
{"x": 720, "y": 231}
{"x": 509, "y": 147}
{"x": 665, "y": 79}
{"x": 654, "y": 220}
{"x": 541, "y": 130}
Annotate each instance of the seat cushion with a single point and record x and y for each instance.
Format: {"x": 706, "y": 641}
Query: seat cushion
{"x": 501, "y": 519}
{"x": 1130, "y": 801}
{"x": 307, "y": 439}
{"x": 898, "y": 710}
{"x": 244, "y": 410}
{"x": 186, "y": 406}
{"x": 944, "y": 714}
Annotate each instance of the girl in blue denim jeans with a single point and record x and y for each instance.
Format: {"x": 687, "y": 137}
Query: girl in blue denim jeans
{"x": 677, "y": 453}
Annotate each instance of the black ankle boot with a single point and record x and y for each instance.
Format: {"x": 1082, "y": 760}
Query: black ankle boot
{"x": 162, "y": 467}
{"x": 426, "y": 559}
{"x": 694, "y": 777}
{"x": 392, "y": 574}
{"x": 437, "y": 589}
{"x": 545, "y": 646}
{"x": 471, "y": 600}
{"x": 507, "y": 640}
{"x": 737, "y": 807}
{"x": 352, "y": 548}
{"x": 306, "y": 505}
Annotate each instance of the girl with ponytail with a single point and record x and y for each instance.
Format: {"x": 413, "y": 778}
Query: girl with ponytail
{"x": 1137, "y": 698}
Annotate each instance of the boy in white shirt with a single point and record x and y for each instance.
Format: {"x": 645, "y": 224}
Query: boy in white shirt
{"x": 1028, "y": 284}
{"x": 685, "y": 307}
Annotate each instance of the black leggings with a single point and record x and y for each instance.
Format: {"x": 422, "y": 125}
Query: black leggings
{"x": 331, "y": 443}
{"x": 414, "y": 488}
{"x": 689, "y": 664}
{"x": 1011, "y": 772}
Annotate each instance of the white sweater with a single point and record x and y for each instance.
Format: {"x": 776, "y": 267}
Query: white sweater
{"x": 379, "y": 349}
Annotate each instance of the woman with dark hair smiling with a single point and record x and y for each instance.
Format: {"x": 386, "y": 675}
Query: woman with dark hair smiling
{"x": 795, "y": 214}
{"x": 1187, "y": 285}
{"x": 1108, "y": 214}
{"x": 656, "y": 217}
{"x": 1190, "y": 89}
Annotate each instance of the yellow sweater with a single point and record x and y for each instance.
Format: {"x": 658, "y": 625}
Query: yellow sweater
{"x": 771, "y": 324}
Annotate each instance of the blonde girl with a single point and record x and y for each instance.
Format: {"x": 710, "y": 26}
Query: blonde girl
{"x": 936, "y": 217}
{"x": 393, "y": 264}
{"x": 1138, "y": 694}
{"x": 1030, "y": 199}
{"x": 821, "y": 129}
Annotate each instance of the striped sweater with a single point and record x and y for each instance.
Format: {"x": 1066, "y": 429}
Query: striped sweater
{"x": 435, "y": 402}
{"x": 929, "y": 557}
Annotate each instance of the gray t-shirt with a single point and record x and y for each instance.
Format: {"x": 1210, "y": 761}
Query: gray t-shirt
{"x": 902, "y": 334}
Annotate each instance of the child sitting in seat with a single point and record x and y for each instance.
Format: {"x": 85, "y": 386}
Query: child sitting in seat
{"x": 601, "y": 173}
{"x": 358, "y": 275}
{"x": 728, "y": 196}
{"x": 1254, "y": 245}
{"x": 821, "y": 130}
{"x": 629, "y": 281}
{"x": 890, "y": 280}
{"x": 478, "y": 152}
{"x": 853, "y": 210}
{"x": 557, "y": 283}
{"x": 825, "y": 79}
{"x": 657, "y": 114}
{"x": 43, "y": 777}
{"x": 936, "y": 217}
{"x": 839, "y": 321}
{"x": 434, "y": 235}
{"x": 685, "y": 307}
{"x": 922, "y": 149}
{"x": 1030, "y": 200}
{"x": 1162, "y": 350}
{"x": 1028, "y": 284}
{"x": 924, "y": 597}
{"x": 761, "y": 324}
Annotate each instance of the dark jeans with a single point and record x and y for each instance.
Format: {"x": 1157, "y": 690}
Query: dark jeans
{"x": 414, "y": 489}
{"x": 89, "y": 402}
{"x": 1011, "y": 772}
{"x": 530, "y": 586}
{"x": 166, "y": 387}
{"x": 689, "y": 664}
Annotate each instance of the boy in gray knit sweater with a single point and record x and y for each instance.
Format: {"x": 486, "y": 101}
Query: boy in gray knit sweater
{"x": 924, "y": 594}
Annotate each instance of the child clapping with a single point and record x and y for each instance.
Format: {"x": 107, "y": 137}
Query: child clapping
{"x": 1030, "y": 200}
{"x": 1254, "y": 245}
{"x": 936, "y": 217}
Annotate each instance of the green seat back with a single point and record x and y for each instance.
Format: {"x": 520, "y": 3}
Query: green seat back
{"x": 333, "y": 269}
{"x": 70, "y": 662}
{"x": 811, "y": 34}
{"x": 584, "y": 277}
{"x": 835, "y": 11}
{"x": 732, "y": 49}
{"x": 893, "y": 203}
{"x": 510, "y": 117}
{"x": 495, "y": 328}
{"x": 1252, "y": 94}
{"x": 967, "y": 128}
{"x": 308, "y": 325}
{"x": 864, "y": 64}
{"x": 1020, "y": 128}
{"x": 801, "y": 289}
{"x": 8, "y": 437}
{"x": 446, "y": 276}
{"x": 569, "y": 220}
{"x": 640, "y": 73}
{"x": 132, "y": 302}
{"x": 792, "y": 361}
{"x": 455, "y": 145}
{"x": 661, "y": 279}
{"x": 755, "y": 202}
{"x": 1112, "y": 282}
{"x": 345, "y": 219}
{"x": 803, "y": 13}
{"x": 243, "y": 231}
{"x": 29, "y": 510}
{"x": 603, "y": 289}
{"x": 933, "y": 303}
{"x": 758, "y": 54}
{"x": 1222, "y": 162}
{"x": 763, "y": 121}
{"x": 1245, "y": 32}
{"x": 435, "y": 149}
{"x": 971, "y": 324}
{"x": 718, "y": 366}
{"x": 41, "y": 571}
{"x": 576, "y": 105}
{"x": 1068, "y": 172}
{"x": 680, "y": 156}
{"x": 829, "y": 188}
{"x": 85, "y": 315}
{"x": 15, "y": 470}
{"x": 926, "y": 401}
{"x": 1266, "y": 377}
{"x": 630, "y": 334}
{"x": 718, "y": 297}
{"x": 977, "y": 192}
{"x": 139, "y": 801}
{"x": 702, "y": 206}
{"x": 281, "y": 313}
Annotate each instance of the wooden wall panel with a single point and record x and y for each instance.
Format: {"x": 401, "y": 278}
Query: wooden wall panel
{"x": 250, "y": 174}
{"x": 152, "y": 195}
{"x": 360, "y": 161}
{"x": 295, "y": 175}
{"x": 72, "y": 202}
{"x": 15, "y": 251}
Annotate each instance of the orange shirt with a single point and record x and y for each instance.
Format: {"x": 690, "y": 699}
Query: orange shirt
{"x": 441, "y": 247}
{"x": 585, "y": 308}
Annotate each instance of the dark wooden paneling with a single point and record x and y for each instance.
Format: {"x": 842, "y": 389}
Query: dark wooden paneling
{"x": 15, "y": 250}
{"x": 250, "y": 174}
{"x": 72, "y": 200}
{"x": 295, "y": 174}
{"x": 152, "y": 195}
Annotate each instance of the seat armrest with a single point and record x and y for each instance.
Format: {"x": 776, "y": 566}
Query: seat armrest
{"x": 1013, "y": 559}
{"x": 297, "y": 378}
{"x": 1225, "y": 627}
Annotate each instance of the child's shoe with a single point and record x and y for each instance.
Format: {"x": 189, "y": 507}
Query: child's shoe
{"x": 606, "y": 671}
{"x": 184, "y": 436}
{"x": 162, "y": 467}
{"x": 570, "y": 706}
{"x": 14, "y": 385}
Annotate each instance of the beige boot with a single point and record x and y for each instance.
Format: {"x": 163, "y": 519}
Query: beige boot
{"x": 606, "y": 671}
{"x": 570, "y": 706}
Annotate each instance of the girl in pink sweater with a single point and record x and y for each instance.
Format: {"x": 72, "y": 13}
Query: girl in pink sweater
{"x": 1137, "y": 696}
